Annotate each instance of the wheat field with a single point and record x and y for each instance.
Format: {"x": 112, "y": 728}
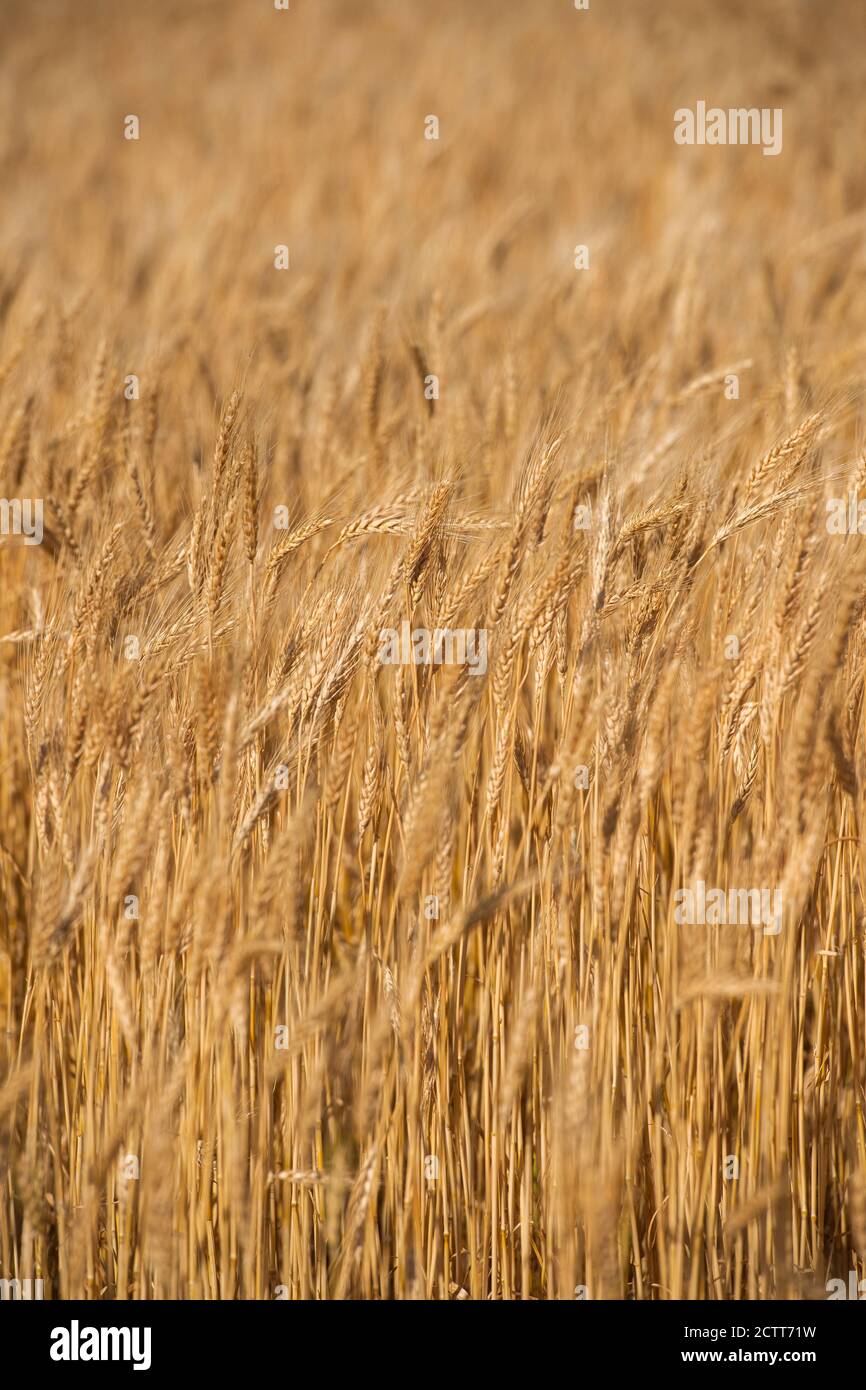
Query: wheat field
{"x": 330, "y": 976}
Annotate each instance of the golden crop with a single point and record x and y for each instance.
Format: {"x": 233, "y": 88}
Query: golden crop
{"x": 326, "y": 974}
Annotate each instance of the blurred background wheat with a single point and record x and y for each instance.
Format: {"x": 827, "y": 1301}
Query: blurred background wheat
{"x": 321, "y": 978}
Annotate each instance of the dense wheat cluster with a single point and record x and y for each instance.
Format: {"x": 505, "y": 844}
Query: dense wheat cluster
{"x": 327, "y": 978}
